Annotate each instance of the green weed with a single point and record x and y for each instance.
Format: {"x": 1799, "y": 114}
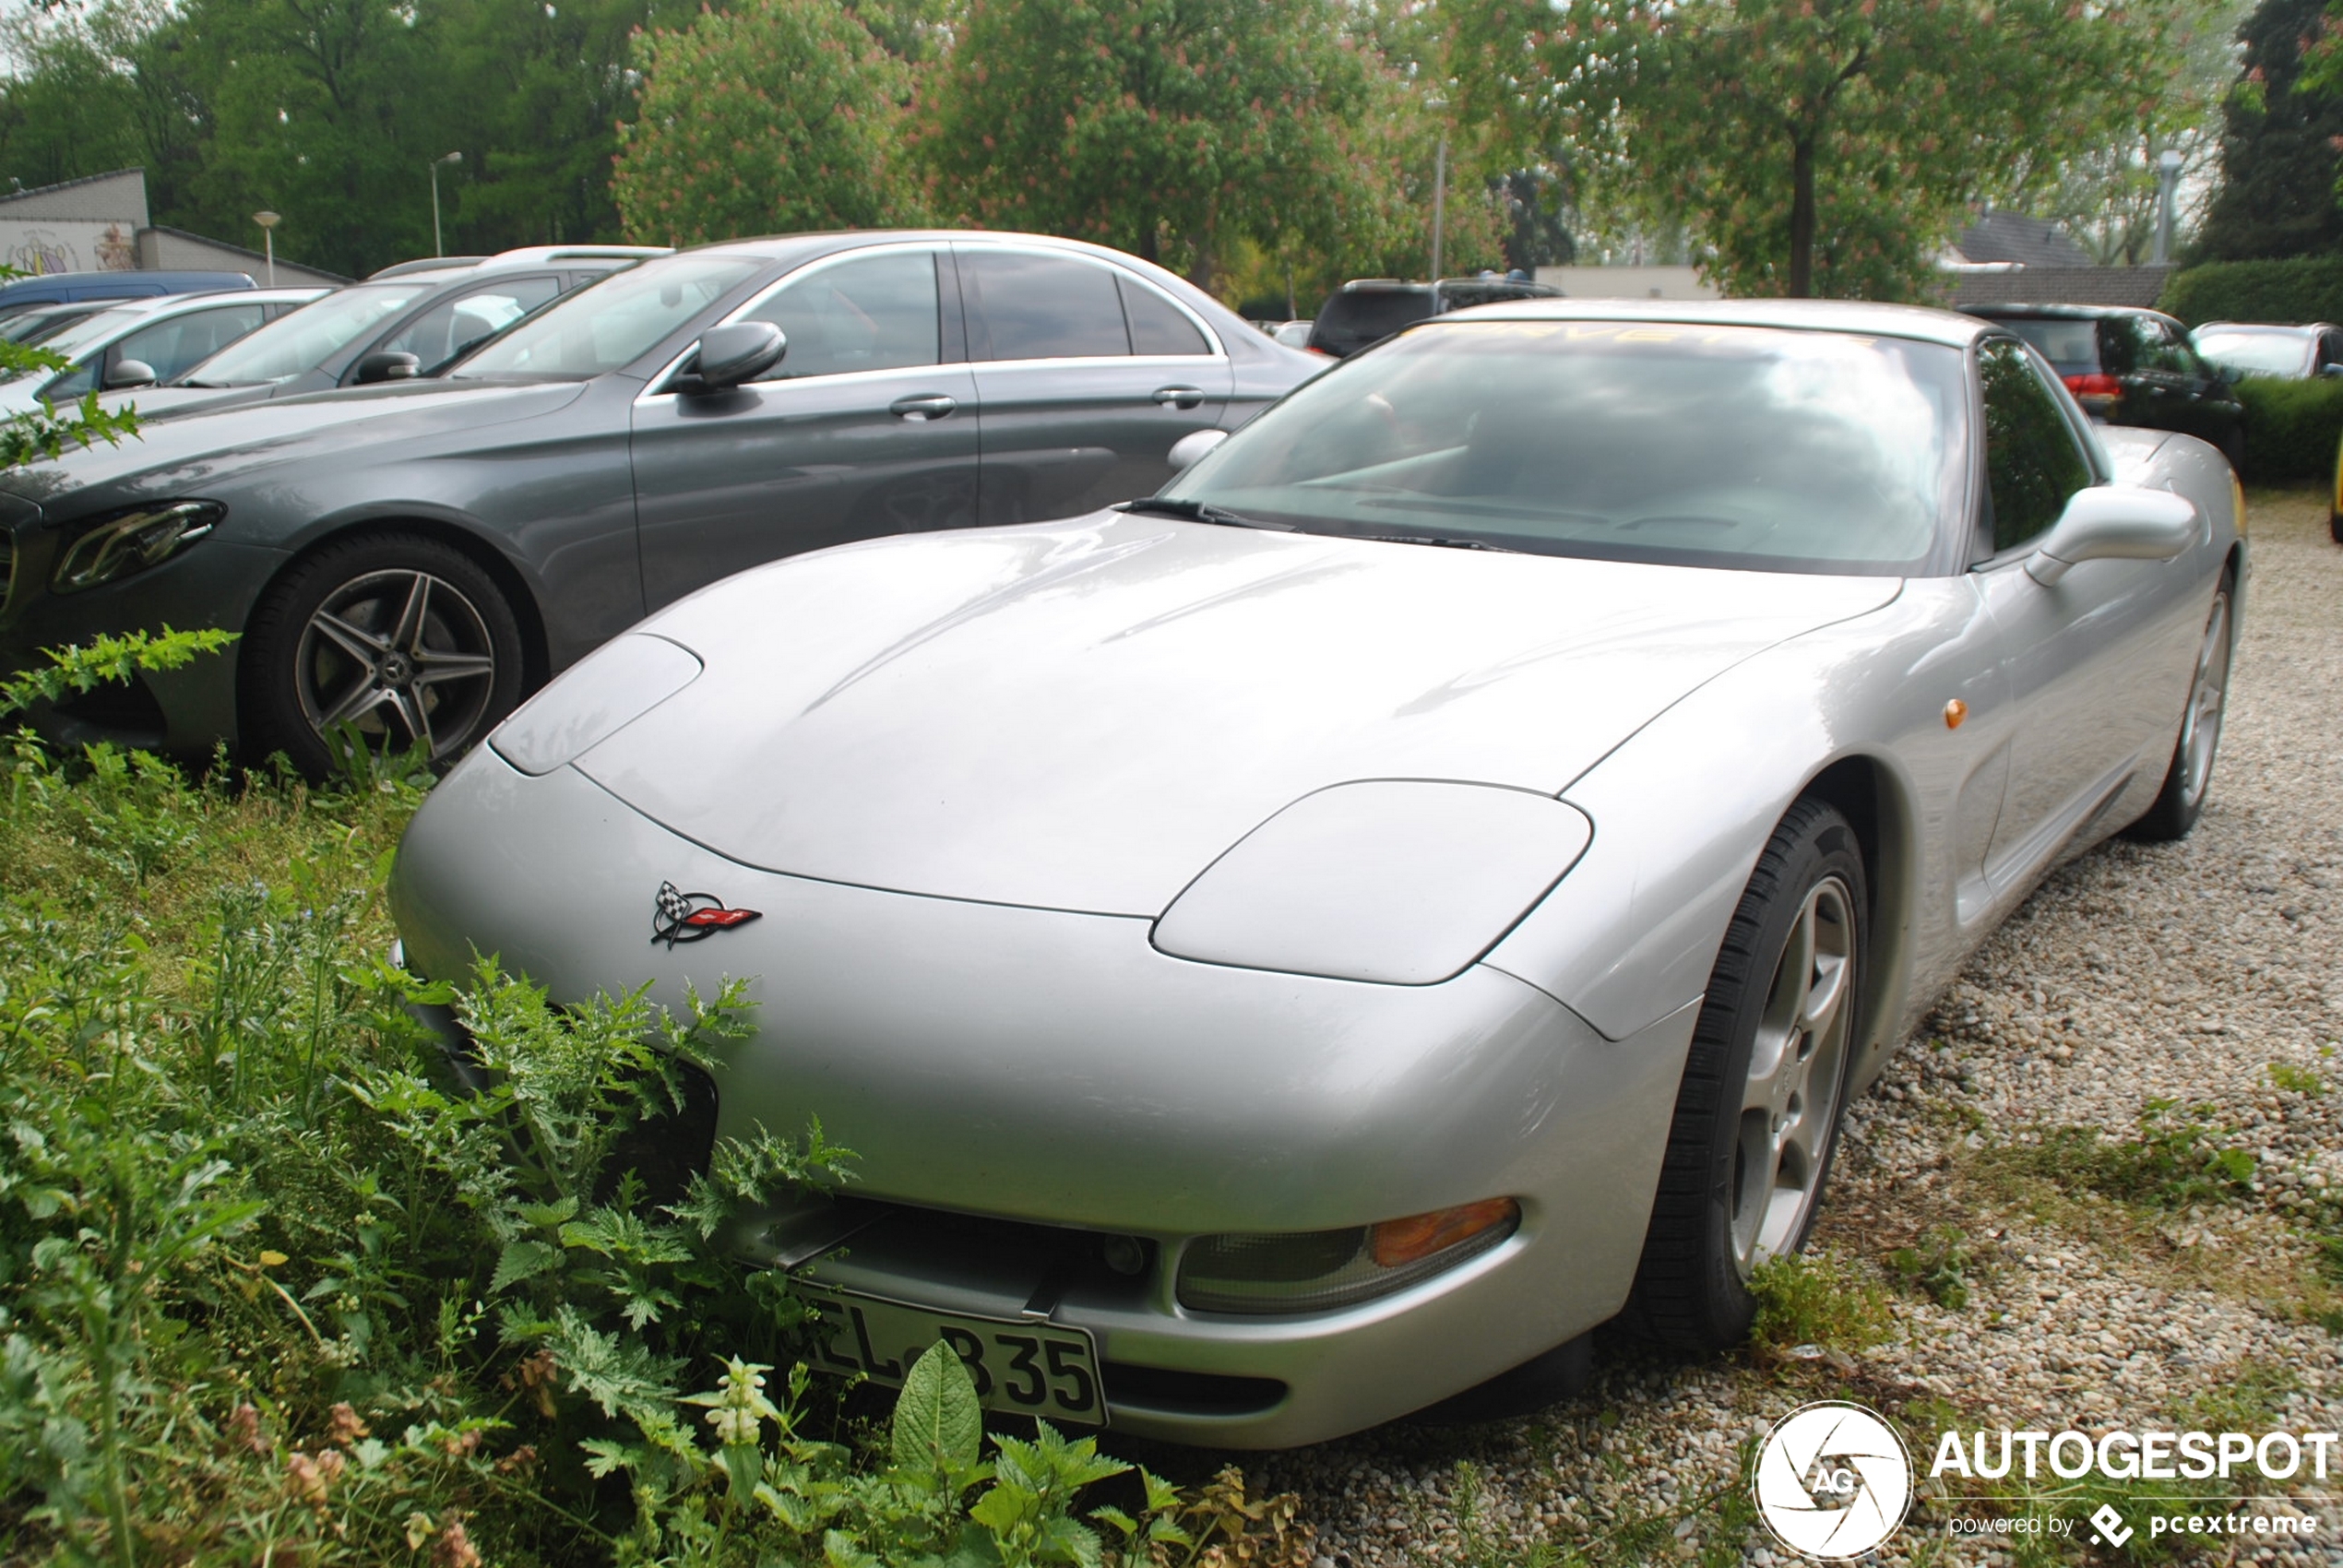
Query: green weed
{"x": 1938, "y": 1267}
{"x": 1813, "y": 1299}
{"x": 2296, "y": 1080}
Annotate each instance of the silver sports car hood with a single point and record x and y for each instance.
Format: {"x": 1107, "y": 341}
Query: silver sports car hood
{"x": 1083, "y": 715}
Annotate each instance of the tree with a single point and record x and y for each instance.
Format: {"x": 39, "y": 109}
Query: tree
{"x": 1814, "y": 146}
{"x": 1175, "y": 130}
{"x": 2280, "y": 130}
{"x": 780, "y": 115}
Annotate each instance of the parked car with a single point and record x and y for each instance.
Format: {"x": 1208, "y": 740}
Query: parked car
{"x": 1293, "y": 334}
{"x": 2335, "y": 506}
{"x": 412, "y": 557}
{"x": 1365, "y": 311}
{"x": 2130, "y": 366}
{"x": 139, "y": 342}
{"x": 1292, "y": 950}
{"x": 65, "y": 288}
{"x": 2292, "y": 353}
{"x": 415, "y": 319}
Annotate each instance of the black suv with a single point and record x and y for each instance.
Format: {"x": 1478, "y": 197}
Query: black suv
{"x": 2131, "y": 367}
{"x": 1367, "y": 310}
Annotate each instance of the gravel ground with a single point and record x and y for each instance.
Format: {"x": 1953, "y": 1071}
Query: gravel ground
{"x": 2137, "y": 975}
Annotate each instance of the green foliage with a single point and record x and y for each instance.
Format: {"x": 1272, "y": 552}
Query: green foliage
{"x": 105, "y": 658}
{"x": 2278, "y": 156}
{"x": 1824, "y": 147}
{"x": 1175, "y": 130}
{"x": 1813, "y": 1299}
{"x": 1938, "y": 1267}
{"x": 777, "y": 115}
{"x": 2308, "y": 287}
{"x": 2296, "y": 1079}
{"x": 2175, "y": 1161}
{"x": 2291, "y": 428}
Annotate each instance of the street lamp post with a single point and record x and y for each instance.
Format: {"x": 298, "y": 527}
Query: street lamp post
{"x": 1439, "y": 202}
{"x": 268, "y": 222}
{"x": 2168, "y": 180}
{"x": 437, "y": 246}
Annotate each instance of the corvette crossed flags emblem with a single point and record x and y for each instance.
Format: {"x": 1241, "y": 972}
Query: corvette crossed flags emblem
{"x": 693, "y": 917}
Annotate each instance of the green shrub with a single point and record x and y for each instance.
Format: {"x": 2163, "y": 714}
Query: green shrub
{"x": 2291, "y": 428}
{"x": 2302, "y": 289}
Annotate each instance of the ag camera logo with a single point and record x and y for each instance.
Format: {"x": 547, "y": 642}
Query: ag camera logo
{"x": 1834, "y": 1481}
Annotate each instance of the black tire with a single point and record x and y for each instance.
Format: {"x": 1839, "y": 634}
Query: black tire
{"x": 2335, "y": 526}
{"x": 2188, "y": 778}
{"x": 445, "y": 659}
{"x": 1692, "y": 1287}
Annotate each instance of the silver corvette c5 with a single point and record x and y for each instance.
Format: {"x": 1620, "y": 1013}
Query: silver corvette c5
{"x": 1316, "y": 942}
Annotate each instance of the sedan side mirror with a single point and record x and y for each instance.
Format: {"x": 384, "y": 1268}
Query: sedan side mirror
{"x": 729, "y": 355}
{"x": 1193, "y": 446}
{"x": 129, "y": 372}
{"x": 388, "y": 364}
{"x": 2114, "y": 522}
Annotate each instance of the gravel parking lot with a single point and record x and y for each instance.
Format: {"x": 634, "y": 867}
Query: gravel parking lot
{"x": 2091, "y": 1195}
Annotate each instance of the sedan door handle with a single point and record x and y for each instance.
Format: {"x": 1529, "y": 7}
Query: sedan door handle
{"x": 1180, "y": 396}
{"x": 924, "y": 406}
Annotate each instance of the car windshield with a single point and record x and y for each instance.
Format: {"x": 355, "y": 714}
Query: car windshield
{"x": 306, "y": 338}
{"x": 81, "y": 334}
{"x": 1692, "y": 444}
{"x": 611, "y": 322}
{"x": 1356, "y": 317}
{"x": 2283, "y": 352}
{"x": 2071, "y": 346}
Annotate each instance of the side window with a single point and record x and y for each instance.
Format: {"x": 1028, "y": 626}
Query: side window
{"x": 2121, "y": 353}
{"x": 70, "y": 387}
{"x": 2165, "y": 351}
{"x": 1042, "y": 307}
{"x": 874, "y": 312}
{"x": 2032, "y": 463}
{"x": 454, "y": 327}
{"x": 185, "y": 341}
{"x": 1158, "y": 326}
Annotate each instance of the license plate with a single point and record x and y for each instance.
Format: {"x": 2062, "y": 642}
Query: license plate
{"x": 1034, "y": 1369}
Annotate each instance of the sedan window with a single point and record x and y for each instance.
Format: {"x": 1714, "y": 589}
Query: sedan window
{"x": 2032, "y": 464}
{"x": 1043, "y": 307}
{"x": 873, "y": 312}
{"x": 442, "y": 333}
{"x": 609, "y": 325}
{"x": 306, "y": 339}
{"x": 182, "y": 342}
{"x": 1698, "y": 445}
{"x": 2254, "y": 350}
{"x": 1158, "y": 326}
{"x": 2071, "y": 345}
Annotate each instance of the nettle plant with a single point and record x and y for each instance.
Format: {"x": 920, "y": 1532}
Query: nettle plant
{"x": 276, "y": 1286}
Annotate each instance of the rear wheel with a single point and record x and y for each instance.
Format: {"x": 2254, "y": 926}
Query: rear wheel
{"x": 1757, "y": 1114}
{"x": 2190, "y": 773}
{"x": 399, "y": 638}
{"x": 2335, "y": 526}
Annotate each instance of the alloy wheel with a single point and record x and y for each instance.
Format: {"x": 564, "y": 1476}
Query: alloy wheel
{"x": 400, "y": 655}
{"x": 1797, "y": 1072}
{"x": 2201, "y": 724}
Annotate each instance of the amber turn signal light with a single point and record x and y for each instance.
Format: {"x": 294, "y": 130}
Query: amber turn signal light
{"x": 1397, "y": 1242}
{"x": 1955, "y": 711}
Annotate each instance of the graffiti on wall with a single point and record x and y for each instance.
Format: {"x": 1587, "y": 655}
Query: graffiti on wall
{"x": 68, "y": 246}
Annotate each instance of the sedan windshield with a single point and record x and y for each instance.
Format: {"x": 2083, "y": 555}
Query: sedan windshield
{"x": 1693, "y": 443}
{"x": 81, "y": 334}
{"x": 612, "y": 323}
{"x": 2267, "y": 352}
{"x": 307, "y": 337}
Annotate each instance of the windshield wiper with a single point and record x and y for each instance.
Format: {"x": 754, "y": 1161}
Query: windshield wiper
{"x": 1444, "y": 542}
{"x": 1201, "y": 511}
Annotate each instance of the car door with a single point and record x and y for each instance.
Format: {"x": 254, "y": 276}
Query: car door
{"x": 1085, "y": 375}
{"x": 2200, "y": 404}
{"x": 2097, "y": 662}
{"x": 866, "y": 427}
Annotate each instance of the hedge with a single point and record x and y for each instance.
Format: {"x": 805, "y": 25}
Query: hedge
{"x": 2291, "y": 428}
{"x": 2304, "y": 288}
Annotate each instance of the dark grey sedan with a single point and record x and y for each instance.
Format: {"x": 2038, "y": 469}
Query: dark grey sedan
{"x": 409, "y": 559}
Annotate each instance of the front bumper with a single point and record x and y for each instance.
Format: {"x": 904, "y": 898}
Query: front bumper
{"x": 1007, "y": 1075}
{"x": 183, "y": 712}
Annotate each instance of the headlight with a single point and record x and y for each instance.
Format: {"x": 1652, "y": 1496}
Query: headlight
{"x": 595, "y": 698}
{"x": 1403, "y": 882}
{"x": 1318, "y": 1271}
{"x": 131, "y": 542}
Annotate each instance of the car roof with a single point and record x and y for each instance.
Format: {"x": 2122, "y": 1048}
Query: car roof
{"x": 2064, "y": 313}
{"x": 1806, "y": 316}
{"x": 2290, "y": 326}
{"x": 172, "y": 305}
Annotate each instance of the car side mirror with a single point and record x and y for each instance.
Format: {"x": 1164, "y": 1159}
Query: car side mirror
{"x": 729, "y": 355}
{"x": 388, "y": 364}
{"x": 126, "y": 374}
{"x": 2114, "y": 522}
{"x": 1194, "y": 446}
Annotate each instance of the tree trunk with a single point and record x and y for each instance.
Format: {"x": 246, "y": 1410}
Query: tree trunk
{"x": 1801, "y": 218}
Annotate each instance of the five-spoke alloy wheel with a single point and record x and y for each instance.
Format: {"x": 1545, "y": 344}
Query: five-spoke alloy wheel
{"x": 1757, "y": 1112}
{"x": 395, "y": 640}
